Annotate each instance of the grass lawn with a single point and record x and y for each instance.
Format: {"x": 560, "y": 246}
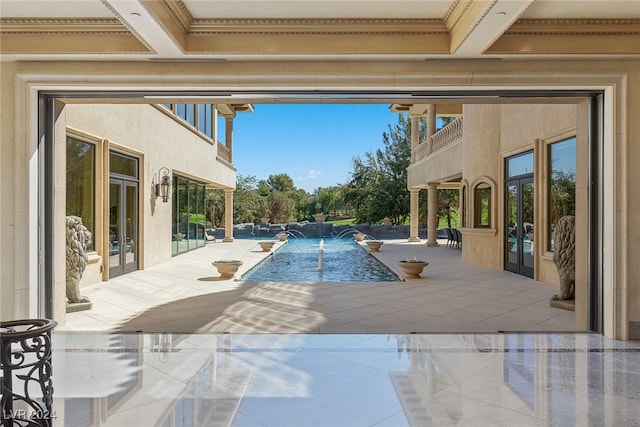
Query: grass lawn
{"x": 348, "y": 221}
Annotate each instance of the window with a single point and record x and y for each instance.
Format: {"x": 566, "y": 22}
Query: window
{"x": 521, "y": 164}
{"x": 463, "y": 207}
{"x": 482, "y": 206}
{"x": 181, "y": 111}
{"x": 190, "y": 114}
{"x": 562, "y": 183}
{"x": 188, "y": 215}
{"x": 199, "y": 116}
{"x": 80, "y": 197}
{"x": 121, "y": 164}
{"x": 204, "y": 119}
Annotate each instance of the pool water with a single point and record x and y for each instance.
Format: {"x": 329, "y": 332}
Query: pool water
{"x": 343, "y": 260}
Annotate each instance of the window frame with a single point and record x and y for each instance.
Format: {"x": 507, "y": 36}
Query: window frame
{"x": 93, "y": 226}
{"x": 549, "y": 173}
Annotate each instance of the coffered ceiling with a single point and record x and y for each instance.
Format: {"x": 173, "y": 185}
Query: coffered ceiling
{"x": 226, "y": 30}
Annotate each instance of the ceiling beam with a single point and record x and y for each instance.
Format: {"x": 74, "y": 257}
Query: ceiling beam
{"x": 147, "y": 26}
{"x": 475, "y": 25}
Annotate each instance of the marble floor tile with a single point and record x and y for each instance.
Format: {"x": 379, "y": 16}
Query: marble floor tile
{"x": 344, "y": 380}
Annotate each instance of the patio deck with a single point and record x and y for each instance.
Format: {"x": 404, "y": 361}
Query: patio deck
{"x": 186, "y": 295}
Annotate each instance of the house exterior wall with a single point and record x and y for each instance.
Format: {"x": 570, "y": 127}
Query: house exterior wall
{"x": 159, "y": 141}
{"x": 619, "y": 81}
{"x": 480, "y": 164}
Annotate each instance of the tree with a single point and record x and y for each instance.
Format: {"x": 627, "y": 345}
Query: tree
{"x": 378, "y": 185}
{"x": 448, "y": 202}
{"x": 280, "y": 182}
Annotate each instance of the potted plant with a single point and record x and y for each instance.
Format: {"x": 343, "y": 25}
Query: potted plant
{"x": 227, "y": 267}
{"x": 412, "y": 267}
{"x": 374, "y": 245}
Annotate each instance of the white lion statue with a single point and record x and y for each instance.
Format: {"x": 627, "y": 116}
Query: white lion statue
{"x": 78, "y": 237}
{"x": 564, "y": 255}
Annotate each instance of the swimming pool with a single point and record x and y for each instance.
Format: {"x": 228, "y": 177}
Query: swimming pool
{"x": 343, "y": 260}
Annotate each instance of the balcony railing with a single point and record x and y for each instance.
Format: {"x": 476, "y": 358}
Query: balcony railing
{"x": 446, "y": 136}
{"x": 224, "y": 153}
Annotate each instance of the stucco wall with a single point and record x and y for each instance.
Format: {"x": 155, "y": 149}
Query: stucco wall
{"x": 12, "y": 291}
{"x": 163, "y": 142}
{"x": 481, "y": 143}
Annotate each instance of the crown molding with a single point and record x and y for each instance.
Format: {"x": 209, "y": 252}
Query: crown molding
{"x": 575, "y": 27}
{"x": 318, "y": 26}
{"x": 180, "y": 13}
{"x": 61, "y": 26}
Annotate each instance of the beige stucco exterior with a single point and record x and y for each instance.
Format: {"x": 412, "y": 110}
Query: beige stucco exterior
{"x": 619, "y": 80}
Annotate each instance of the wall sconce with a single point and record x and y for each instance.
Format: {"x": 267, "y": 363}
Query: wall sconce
{"x": 162, "y": 188}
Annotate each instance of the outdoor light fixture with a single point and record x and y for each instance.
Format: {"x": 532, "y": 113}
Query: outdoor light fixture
{"x": 162, "y": 187}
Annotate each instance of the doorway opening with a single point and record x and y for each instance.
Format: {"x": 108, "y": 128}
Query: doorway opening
{"x": 125, "y": 211}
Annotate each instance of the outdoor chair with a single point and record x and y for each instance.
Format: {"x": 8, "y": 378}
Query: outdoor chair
{"x": 449, "y": 238}
{"x": 457, "y": 238}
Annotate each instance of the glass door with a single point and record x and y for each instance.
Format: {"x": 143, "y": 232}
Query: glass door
{"x": 123, "y": 226}
{"x": 519, "y": 242}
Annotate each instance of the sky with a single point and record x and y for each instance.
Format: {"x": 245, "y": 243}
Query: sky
{"x": 312, "y": 143}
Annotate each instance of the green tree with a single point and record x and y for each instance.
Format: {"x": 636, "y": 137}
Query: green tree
{"x": 448, "y": 203}
{"x": 378, "y": 185}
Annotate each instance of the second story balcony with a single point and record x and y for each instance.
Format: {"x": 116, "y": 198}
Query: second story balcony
{"x": 440, "y": 158}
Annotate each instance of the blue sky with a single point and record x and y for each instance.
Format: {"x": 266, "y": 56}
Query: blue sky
{"x": 312, "y": 143}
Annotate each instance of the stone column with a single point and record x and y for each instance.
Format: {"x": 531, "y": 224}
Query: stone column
{"x": 228, "y": 216}
{"x": 415, "y": 136}
{"x": 431, "y": 127}
{"x": 432, "y": 217}
{"x": 228, "y": 136}
{"x": 414, "y": 220}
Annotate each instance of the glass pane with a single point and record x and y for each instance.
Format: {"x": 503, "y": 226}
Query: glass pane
{"x": 131, "y": 226}
{"x": 114, "y": 222}
{"x": 204, "y": 119}
{"x": 181, "y": 235}
{"x": 521, "y": 164}
{"x": 180, "y": 111}
{"x": 190, "y": 113}
{"x": 191, "y": 209}
{"x": 123, "y": 165}
{"x": 463, "y": 207}
{"x": 482, "y": 206}
{"x": 200, "y": 224}
{"x": 528, "y": 225}
{"x": 562, "y": 182}
{"x": 512, "y": 223}
{"x": 80, "y": 193}
{"x": 174, "y": 215}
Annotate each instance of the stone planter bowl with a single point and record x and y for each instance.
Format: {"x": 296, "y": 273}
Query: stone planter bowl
{"x": 412, "y": 269}
{"x": 374, "y": 245}
{"x": 359, "y": 237}
{"x": 266, "y": 246}
{"x": 227, "y": 268}
{"x": 282, "y": 236}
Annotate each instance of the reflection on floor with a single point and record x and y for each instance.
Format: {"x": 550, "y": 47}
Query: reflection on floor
{"x": 516, "y": 379}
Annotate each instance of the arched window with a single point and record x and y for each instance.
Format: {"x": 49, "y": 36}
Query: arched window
{"x": 482, "y": 205}
{"x": 463, "y": 206}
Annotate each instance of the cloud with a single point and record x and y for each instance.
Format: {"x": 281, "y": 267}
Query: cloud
{"x": 313, "y": 173}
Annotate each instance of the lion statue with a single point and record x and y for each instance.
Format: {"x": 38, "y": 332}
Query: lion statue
{"x": 564, "y": 240}
{"x": 78, "y": 237}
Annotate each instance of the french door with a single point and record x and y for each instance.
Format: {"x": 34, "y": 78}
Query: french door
{"x": 123, "y": 226}
{"x": 519, "y": 244}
